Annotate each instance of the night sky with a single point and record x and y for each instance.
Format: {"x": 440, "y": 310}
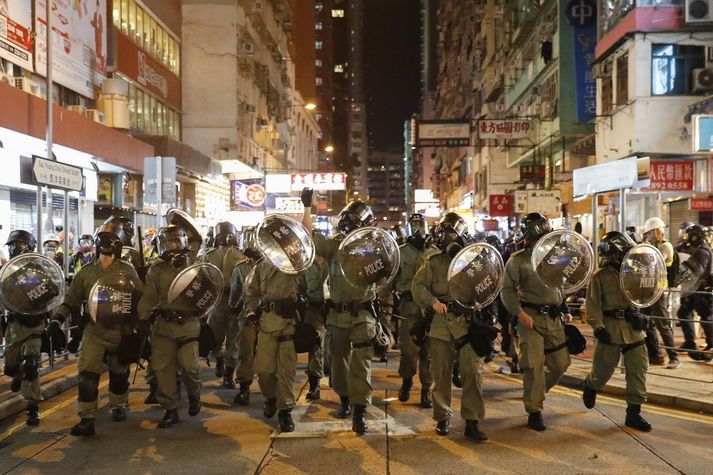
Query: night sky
{"x": 392, "y": 68}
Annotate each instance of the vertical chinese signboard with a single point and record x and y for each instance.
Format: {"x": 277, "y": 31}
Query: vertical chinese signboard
{"x": 582, "y": 16}
{"x": 671, "y": 175}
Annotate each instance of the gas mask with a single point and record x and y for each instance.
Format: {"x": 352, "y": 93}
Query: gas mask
{"x": 453, "y": 248}
{"x": 107, "y": 245}
{"x": 50, "y": 249}
{"x": 417, "y": 240}
{"x": 16, "y": 248}
{"x": 178, "y": 259}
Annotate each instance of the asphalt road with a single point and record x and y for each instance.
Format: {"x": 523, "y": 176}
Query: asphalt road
{"x": 402, "y": 440}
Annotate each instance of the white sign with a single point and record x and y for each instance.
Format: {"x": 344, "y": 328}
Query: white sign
{"x": 149, "y": 76}
{"x": 504, "y": 129}
{"x": 443, "y": 133}
{"x": 16, "y": 32}
{"x": 537, "y": 201}
{"x": 702, "y": 133}
{"x": 56, "y": 174}
{"x": 607, "y": 176}
{"x": 319, "y": 181}
{"x": 424, "y": 196}
{"x": 289, "y": 205}
{"x": 78, "y": 43}
{"x": 521, "y": 201}
{"x": 281, "y": 183}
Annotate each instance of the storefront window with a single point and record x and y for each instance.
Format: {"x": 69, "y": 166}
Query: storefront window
{"x": 124, "y": 16}
{"x": 116, "y": 14}
{"x": 132, "y": 18}
{"x": 139, "y": 33}
{"x": 150, "y": 115}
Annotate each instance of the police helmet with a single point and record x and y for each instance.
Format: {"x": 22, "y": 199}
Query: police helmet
{"x": 451, "y": 228}
{"x": 695, "y": 234}
{"x": 534, "y": 226}
{"x": 355, "y": 215}
{"x": 127, "y": 225}
{"x": 224, "y": 233}
{"x": 171, "y": 239}
{"x": 109, "y": 238}
{"x": 614, "y": 246}
{"x": 416, "y": 224}
{"x": 495, "y": 241}
{"x": 20, "y": 236}
{"x": 398, "y": 233}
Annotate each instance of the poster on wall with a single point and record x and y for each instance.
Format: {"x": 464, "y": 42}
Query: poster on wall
{"x": 16, "y": 32}
{"x": 78, "y": 43}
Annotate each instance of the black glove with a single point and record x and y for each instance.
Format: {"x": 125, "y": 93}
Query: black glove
{"x": 56, "y": 335}
{"x": 144, "y": 327}
{"x": 602, "y": 335}
{"x": 306, "y": 197}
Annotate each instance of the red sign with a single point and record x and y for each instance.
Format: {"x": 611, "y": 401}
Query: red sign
{"x": 319, "y": 181}
{"x": 490, "y": 225}
{"x": 671, "y": 176}
{"x": 500, "y": 205}
{"x": 700, "y": 204}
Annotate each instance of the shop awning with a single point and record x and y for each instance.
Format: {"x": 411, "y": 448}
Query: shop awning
{"x": 186, "y": 157}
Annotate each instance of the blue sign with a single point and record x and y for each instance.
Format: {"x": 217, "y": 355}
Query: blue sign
{"x": 582, "y": 15}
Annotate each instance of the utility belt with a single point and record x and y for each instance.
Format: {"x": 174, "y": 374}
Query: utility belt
{"x": 352, "y": 307}
{"x": 286, "y": 308}
{"x": 405, "y": 296}
{"x": 315, "y": 303}
{"x": 553, "y": 311}
{"x": 635, "y": 318}
{"x": 174, "y": 316}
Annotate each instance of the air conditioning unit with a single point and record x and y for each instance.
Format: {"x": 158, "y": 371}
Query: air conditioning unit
{"x": 27, "y": 85}
{"x": 95, "y": 115}
{"x": 702, "y": 80}
{"x": 248, "y": 47}
{"x": 698, "y": 11}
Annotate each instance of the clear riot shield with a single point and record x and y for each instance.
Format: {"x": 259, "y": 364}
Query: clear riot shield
{"x": 285, "y": 243}
{"x": 183, "y": 219}
{"x": 368, "y": 258}
{"x": 31, "y": 284}
{"x": 475, "y": 275}
{"x": 643, "y": 275}
{"x": 563, "y": 260}
{"x": 113, "y": 300}
{"x": 197, "y": 287}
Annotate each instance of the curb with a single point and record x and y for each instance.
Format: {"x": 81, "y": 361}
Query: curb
{"x": 16, "y": 404}
{"x": 667, "y": 400}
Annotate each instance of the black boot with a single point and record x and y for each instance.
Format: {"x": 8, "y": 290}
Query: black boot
{"x": 589, "y": 397}
{"x": 536, "y": 422}
{"x": 473, "y": 432}
{"x": 228, "y": 382}
{"x": 118, "y": 414}
{"x": 151, "y": 398}
{"x": 194, "y": 405}
{"x": 243, "y": 396}
{"x": 170, "y": 418}
{"x": 84, "y": 428}
{"x": 219, "y": 367}
{"x": 269, "y": 408}
{"x": 634, "y": 419}
{"x": 33, "y": 415}
{"x": 359, "y": 419}
{"x": 405, "y": 390}
{"x": 443, "y": 427}
{"x": 285, "y": 419}
{"x": 345, "y": 409}
{"x": 426, "y": 401}
{"x": 313, "y": 393}
{"x": 457, "y": 382}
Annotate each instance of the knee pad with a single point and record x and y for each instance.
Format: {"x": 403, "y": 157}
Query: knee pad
{"x": 12, "y": 371}
{"x": 88, "y": 386}
{"x": 118, "y": 383}
{"x": 30, "y": 367}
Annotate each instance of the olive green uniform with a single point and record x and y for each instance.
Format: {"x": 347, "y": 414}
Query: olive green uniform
{"x": 98, "y": 342}
{"x": 313, "y": 288}
{"x": 174, "y": 345}
{"x": 351, "y": 332}
{"x": 522, "y": 285}
{"x": 412, "y": 357}
{"x": 604, "y": 295}
{"x": 223, "y": 319}
{"x": 23, "y": 337}
{"x": 275, "y": 357}
{"x": 246, "y": 337}
{"x": 430, "y": 285}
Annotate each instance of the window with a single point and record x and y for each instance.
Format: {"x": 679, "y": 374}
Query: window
{"x": 622, "y": 80}
{"x": 318, "y": 26}
{"x": 318, "y": 63}
{"x": 338, "y": 13}
{"x": 140, "y": 27}
{"x": 139, "y": 32}
{"x": 151, "y": 116}
{"x": 607, "y": 88}
{"x": 318, "y": 45}
{"x": 132, "y": 19}
{"x": 338, "y": 68}
{"x": 672, "y": 68}
{"x": 319, "y": 6}
{"x": 318, "y": 81}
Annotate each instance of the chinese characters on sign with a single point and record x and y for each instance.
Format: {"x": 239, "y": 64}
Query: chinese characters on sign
{"x": 700, "y": 204}
{"x": 500, "y": 205}
{"x": 319, "y": 181}
{"x": 538, "y": 201}
{"x": 532, "y": 173}
{"x": 671, "y": 176}
{"x": 442, "y": 133}
{"x": 490, "y": 225}
{"x": 504, "y": 129}
{"x": 16, "y": 32}
{"x": 582, "y": 15}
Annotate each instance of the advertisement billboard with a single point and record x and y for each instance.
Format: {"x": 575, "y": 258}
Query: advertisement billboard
{"x": 16, "y": 32}
{"x": 319, "y": 181}
{"x": 442, "y": 133}
{"x": 78, "y": 43}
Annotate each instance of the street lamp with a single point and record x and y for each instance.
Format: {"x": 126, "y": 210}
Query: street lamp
{"x": 329, "y": 149}
{"x": 310, "y": 106}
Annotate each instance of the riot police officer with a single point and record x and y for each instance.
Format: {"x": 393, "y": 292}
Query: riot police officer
{"x": 130, "y": 253}
{"x": 224, "y": 320}
{"x": 413, "y": 357}
{"x": 619, "y": 330}
{"x": 538, "y": 309}
{"x": 449, "y": 325}
{"x": 350, "y": 321}
{"x": 99, "y": 342}
{"x": 174, "y": 327}
{"x": 23, "y": 339}
{"x": 696, "y": 269}
{"x": 313, "y": 293}
{"x": 246, "y": 337}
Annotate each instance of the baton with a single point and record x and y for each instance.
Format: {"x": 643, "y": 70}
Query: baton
{"x": 138, "y": 362}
